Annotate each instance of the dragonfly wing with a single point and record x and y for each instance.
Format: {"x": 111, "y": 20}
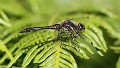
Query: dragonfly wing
{"x": 82, "y": 20}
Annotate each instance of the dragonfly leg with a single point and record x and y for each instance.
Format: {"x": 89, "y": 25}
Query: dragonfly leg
{"x": 59, "y": 35}
{"x": 73, "y": 42}
{"x": 84, "y": 38}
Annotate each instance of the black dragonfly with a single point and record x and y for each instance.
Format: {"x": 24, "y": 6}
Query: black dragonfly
{"x": 67, "y": 25}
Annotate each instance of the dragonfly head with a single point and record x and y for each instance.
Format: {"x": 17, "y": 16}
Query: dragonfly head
{"x": 81, "y": 27}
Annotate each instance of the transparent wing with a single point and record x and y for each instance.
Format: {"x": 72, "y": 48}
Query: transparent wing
{"x": 82, "y": 20}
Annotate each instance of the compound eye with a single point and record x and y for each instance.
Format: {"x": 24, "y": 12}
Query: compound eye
{"x": 81, "y": 27}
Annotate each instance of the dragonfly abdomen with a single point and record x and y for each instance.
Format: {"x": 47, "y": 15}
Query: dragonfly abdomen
{"x": 29, "y": 29}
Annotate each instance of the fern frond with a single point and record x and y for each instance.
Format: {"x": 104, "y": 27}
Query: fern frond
{"x": 55, "y": 56}
{"x": 98, "y": 21}
{"x": 85, "y": 46}
{"x": 4, "y": 19}
{"x": 35, "y": 38}
{"x": 15, "y": 58}
{"x": 4, "y": 48}
{"x": 43, "y": 48}
{"x": 30, "y": 55}
{"x": 13, "y": 32}
{"x": 118, "y": 63}
{"x": 5, "y": 55}
{"x": 116, "y": 49}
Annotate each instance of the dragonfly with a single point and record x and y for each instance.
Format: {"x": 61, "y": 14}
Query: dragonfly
{"x": 67, "y": 25}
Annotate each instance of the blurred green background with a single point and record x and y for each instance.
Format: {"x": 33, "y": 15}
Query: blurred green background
{"x": 16, "y": 14}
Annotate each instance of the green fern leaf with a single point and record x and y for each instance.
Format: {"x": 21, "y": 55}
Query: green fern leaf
{"x": 3, "y": 48}
{"x": 15, "y": 58}
{"x": 118, "y": 63}
{"x": 5, "y": 56}
{"x": 56, "y": 57}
